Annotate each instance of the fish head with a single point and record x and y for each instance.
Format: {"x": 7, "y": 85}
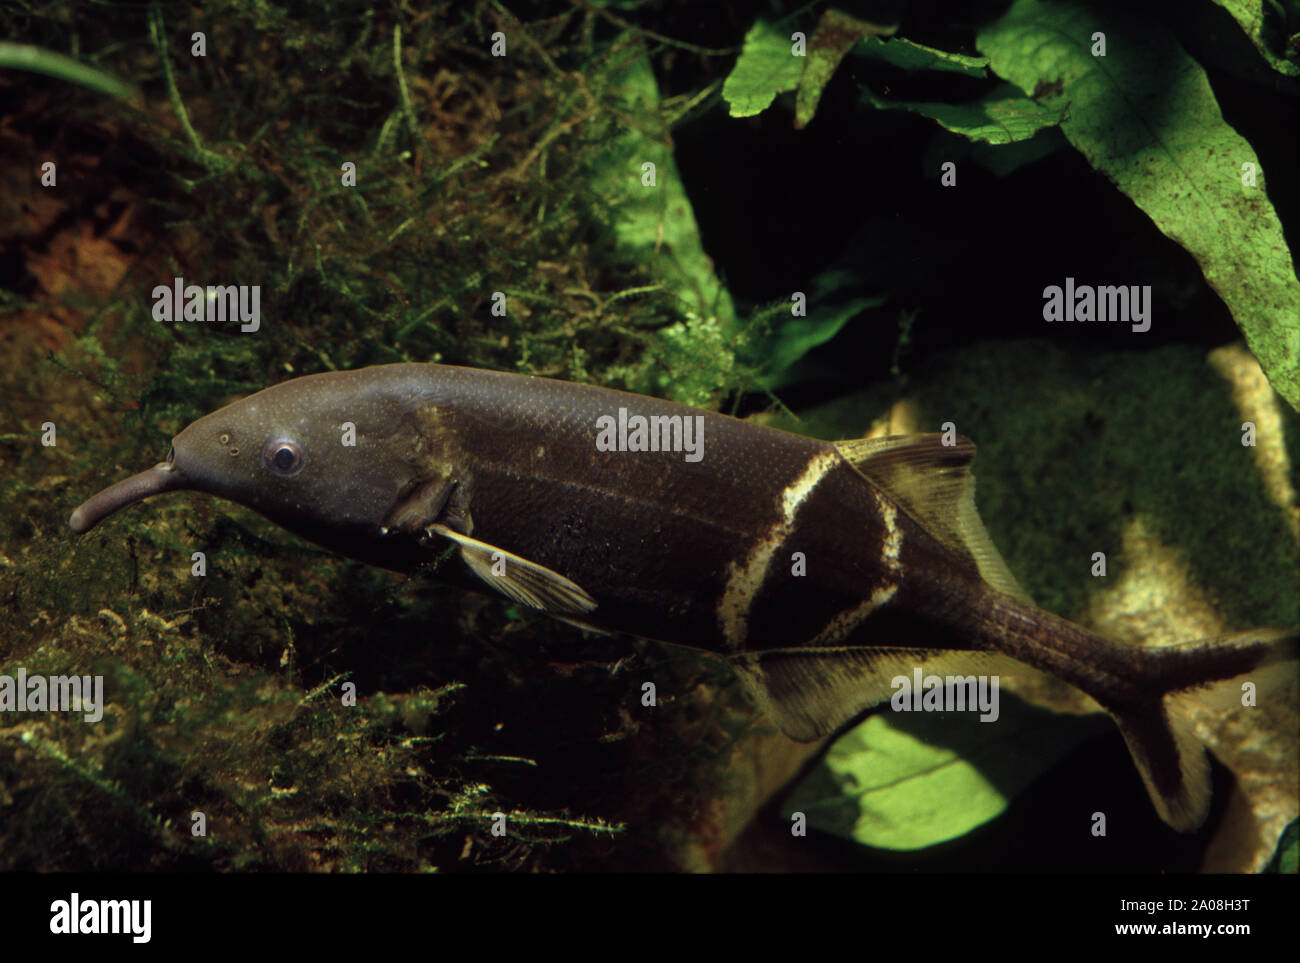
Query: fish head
{"x": 326, "y": 456}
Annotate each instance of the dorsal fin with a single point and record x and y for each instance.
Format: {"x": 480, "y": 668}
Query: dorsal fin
{"x": 933, "y": 483}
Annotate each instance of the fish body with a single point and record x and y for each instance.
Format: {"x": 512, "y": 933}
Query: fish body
{"x": 820, "y": 571}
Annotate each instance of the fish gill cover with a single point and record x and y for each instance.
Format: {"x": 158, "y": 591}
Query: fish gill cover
{"x": 671, "y": 201}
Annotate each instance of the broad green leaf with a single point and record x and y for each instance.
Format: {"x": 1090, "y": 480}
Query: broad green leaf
{"x": 766, "y": 67}
{"x": 1267, "y": 25}
{"x": 656, "y": 225}
{"x": 1145, "y": 116}
{"x": 36, "y": 60}
{"x": 835, "y": 36}
{"x": 906, "y": 781}
{"x": 907, "y": 55}
{"x": 1005, "y": 159}
{"x": 797, "y": 336}
{"x": 1002, "y": 116}
{"x": 657, "y": 222}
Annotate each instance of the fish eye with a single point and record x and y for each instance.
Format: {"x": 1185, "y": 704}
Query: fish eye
{"x": 283, "y": 457}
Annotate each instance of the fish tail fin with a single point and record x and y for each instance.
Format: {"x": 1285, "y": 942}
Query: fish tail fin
{"x": 1192, "y": 678}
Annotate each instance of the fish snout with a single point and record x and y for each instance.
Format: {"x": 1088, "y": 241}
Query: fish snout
{"x": 162, "y": 477}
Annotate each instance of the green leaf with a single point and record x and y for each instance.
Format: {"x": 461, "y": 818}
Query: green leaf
{"x": 1005, "y": 159}
{"x": 766, "y": 67}
{"x": 835, "y": 36}
{"x": 36, "y": 60}
{"x": 1002, "y": 116}
{"x": 656, "y": 225}
{"x": 1267, "y": 26}
{"x": 1144, "y": 115}
{"x": 908, "y": 55}
{"x": 797, "y": 336}
{"x": 905, "y": 781}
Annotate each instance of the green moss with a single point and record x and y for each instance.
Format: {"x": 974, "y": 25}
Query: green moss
{"x": 472, "y": 177}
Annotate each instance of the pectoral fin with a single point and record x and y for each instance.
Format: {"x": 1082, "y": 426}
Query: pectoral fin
{"x": 420, "y": 507}
{"x": 519, "y": 579}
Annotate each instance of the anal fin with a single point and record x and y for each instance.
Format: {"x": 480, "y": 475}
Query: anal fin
{"x": 811, "y": 692}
